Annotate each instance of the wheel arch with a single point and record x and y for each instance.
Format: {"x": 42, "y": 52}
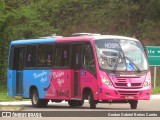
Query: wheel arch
{"x": 86, "y": 92}
{"x": 32, "y": 88}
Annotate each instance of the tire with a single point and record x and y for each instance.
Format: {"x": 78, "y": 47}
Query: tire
{"x": 133, "y": 104}
{"x": 36, "y": 102}
{"x": 92, "y": 102}
{"x": 80, "y": 103}
{"x": 74, "y": 103}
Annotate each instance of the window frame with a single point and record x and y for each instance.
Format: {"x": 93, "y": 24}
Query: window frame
{"x": 93, "y": 55}
{"x": 11, "y": 56}
{"x": 32, "y": 67}
{"x": 62, "y": 67}
{"x": 52, "y": 56}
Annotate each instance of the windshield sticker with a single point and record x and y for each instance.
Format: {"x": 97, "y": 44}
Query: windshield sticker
{"x": 129, "y": 65}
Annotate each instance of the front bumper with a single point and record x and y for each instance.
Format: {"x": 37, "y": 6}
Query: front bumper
{"x": 125, "y": 94}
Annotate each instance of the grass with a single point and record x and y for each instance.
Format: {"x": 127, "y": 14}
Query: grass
{"x": 156, "y": 90}
{"x": 4, "y": 95}
{"x": 11, "y": 108}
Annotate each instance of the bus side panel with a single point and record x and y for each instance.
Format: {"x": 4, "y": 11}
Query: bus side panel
{"x": 88, "y": 80}
{"x": 51, "y": 84}
{"x": 59, "y": 87}
{"x": 37, "y": 78}
{"x": 11, "y": 83}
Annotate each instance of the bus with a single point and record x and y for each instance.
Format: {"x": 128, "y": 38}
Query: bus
{"x": 91, "y": 67}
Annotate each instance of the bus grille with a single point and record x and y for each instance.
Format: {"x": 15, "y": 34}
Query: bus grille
{"x": 122, "y": 83}
{"x": 128, "y": 93}
{"x": 125, "y": 84}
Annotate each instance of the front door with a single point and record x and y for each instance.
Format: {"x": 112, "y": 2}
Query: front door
{"x": 77, "y": 64}
{"x": 18, "y": 61}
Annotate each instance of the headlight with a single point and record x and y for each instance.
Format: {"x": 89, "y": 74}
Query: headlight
{"x": 106, "y": 81}
{"x": 147, "y": 82}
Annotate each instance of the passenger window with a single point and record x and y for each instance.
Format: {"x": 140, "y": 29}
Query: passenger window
{"x": 31, "y": 56}
{"x": 66, "y": 53}
{"x": 63, "y": 55}
{"x": 45, "y": 55}
{"x": 89, "y": 61}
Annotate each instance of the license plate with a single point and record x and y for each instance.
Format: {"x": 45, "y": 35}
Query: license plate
{"x": 129, "y": 97}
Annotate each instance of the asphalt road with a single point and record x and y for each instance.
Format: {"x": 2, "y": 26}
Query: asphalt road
{"x": 151, "y": 105}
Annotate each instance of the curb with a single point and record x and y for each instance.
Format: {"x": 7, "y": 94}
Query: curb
{"x": 21, "y": 103}
{"x": 15, "y": 103}
{"x": 11, "y": 108}
{"x": 155, "y": 96}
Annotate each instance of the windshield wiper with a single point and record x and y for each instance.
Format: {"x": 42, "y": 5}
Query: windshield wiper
{"x": 115, "y": 67}
{"x": 107, "y": 61}
{"x": 138, "y": 70}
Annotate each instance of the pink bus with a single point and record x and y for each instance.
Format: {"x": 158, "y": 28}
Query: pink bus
{"x": 93, "y": 67}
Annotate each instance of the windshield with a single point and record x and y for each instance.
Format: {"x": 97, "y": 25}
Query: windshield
{"x": 121, "y": 55}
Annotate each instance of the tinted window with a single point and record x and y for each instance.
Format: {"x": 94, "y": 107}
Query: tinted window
{"x": 17, "y": 58}
{"x": 63, "y": 55}
{"x": 45, "y": 55}
{"x": 31, "y": 56}
{"x": 89, "y": 61}
{"x": 66, "y": 56}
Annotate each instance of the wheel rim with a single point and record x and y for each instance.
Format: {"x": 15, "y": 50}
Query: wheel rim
{"x": 35, "y": 98}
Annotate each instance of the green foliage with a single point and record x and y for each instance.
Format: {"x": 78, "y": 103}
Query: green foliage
{"x": 156, "y": 91}
{"x": 153, "y": 10}
{"x": 25, "y": 19}
{"x": 18, "y": 23}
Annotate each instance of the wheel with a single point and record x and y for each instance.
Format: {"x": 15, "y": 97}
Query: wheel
{"x": 133, "y": 104}
{"x": 80, "y": 103}
{"x": 73, "y": 103}
{"x": 92, "y": 102}
{"x": 36, "y": 102}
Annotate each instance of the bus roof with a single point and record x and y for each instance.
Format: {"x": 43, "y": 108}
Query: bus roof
{"x": 94, "y": 37}
{"x": 32, "y": 41}
{"x": 72, "y": 38}
{"x": 114, "y": 37}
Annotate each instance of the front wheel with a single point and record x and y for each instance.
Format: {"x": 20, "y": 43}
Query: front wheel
{"x": 92, "y": 102}
{"x": 36, "y": 102}
{"x": 133, "y": 104}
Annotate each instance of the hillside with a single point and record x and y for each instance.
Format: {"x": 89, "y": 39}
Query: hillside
{"x": 24, "y": 19}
